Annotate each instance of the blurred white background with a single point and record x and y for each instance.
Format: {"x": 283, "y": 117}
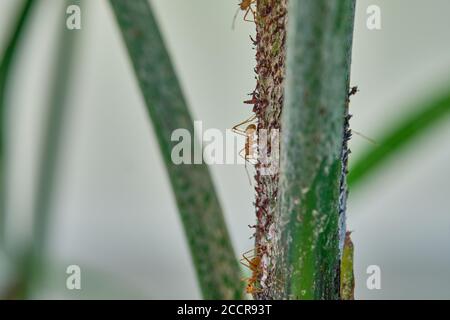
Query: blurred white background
{"x": 114, "y": 213}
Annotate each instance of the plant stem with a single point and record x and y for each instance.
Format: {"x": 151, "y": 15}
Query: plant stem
{"x": 269, "y": 97}
{"x": 214, "y": 259}
{"x": 313, "y": 148}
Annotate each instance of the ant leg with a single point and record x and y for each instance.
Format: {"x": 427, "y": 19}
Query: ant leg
{"x": 245, "y": 165}
{"x": 242, "y": 132}
{"x": 240, "y": 154}
{"x": 236, "y": 128}
{"x": 254, "y": 251}
{"x": 246, "y": 170}
{"x": 250, "y": 9}
{"x": 250, "y": 264}
{"x": 245, "y": 254}
{"x": 245, "y": 261}
{"x": 253, "y": 117}
{"x": 246, "y": 258}
{"x": 245, "y": 264}
{"x": 239, "y": 131}
{"x": 252, "y": 160}
{"x": 365, "y": 137}
{"x": 246, "y": 14}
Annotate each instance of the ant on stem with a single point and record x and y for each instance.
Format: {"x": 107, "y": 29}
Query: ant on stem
{"x": 245, "y": 5}
{"x": 250, "y": 150}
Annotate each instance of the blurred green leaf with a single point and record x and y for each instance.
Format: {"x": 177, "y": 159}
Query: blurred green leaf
{"x": 214, "y": 259}
{"x": 54, "y": 124}
{"x": 404, "y": 133}
{"x": 6, "y": 65}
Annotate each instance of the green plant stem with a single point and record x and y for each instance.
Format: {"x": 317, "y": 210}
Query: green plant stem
{"x": 400, "y": 136}
{"x": 6, "y": 65}
{"x": 314, "y": 119}
{"x": 214, "y": 259}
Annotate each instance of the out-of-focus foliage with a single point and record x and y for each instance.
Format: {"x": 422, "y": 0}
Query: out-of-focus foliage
{"x": 402, "y": 134}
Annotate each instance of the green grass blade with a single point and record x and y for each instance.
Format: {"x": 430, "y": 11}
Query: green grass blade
{"x": 6, "y": 65}
{"x": 313, "y": 145}
{"x": 214, "y": 259}
{"x": 403, "y": 134}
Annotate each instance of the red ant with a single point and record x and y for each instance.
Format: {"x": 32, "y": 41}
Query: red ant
{"x": 253, "y": 263}
{"x": 245, "y": 5}
{"x": 250, "y": 151}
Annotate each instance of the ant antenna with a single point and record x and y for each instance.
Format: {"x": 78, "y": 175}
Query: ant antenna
{"x": 365, "y": 137}
{"x": 234, "y": 18}
{"x": 248, "y": 174}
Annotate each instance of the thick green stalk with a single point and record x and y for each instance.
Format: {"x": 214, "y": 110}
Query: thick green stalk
{"x": 313, "y": 148}
{"x": 6, "y": 66}
{"x": 216, "y": 265}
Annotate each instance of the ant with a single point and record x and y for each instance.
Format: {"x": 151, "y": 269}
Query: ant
{"x": 353, "y": 90}
{"x": 251, "y": 141}
{"x": 245, "y": 5}
{"x": 253, "y": 263}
